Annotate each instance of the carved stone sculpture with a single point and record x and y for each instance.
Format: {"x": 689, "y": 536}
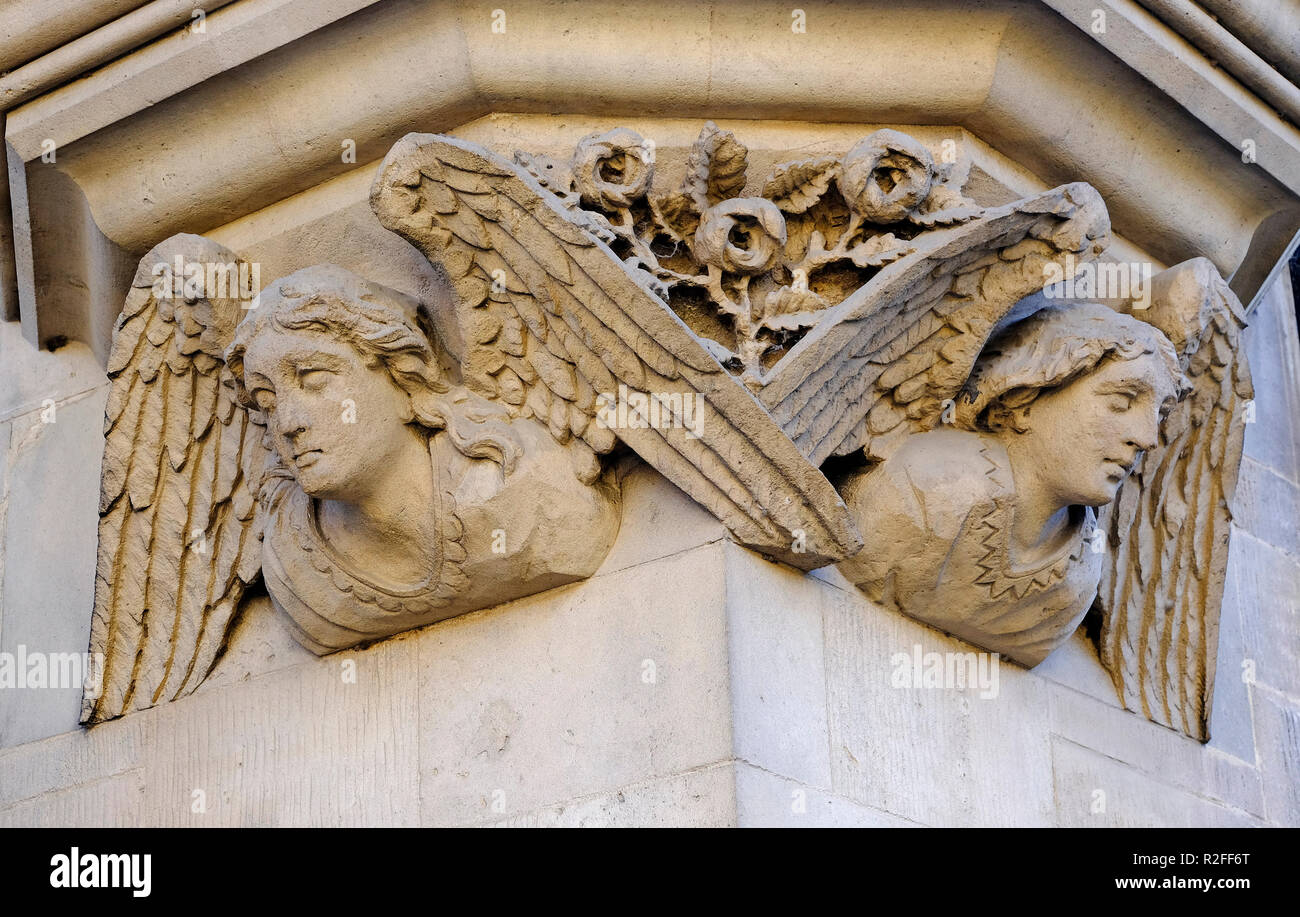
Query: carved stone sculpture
{"x": 395, "y": 498}
{"x": 986, "y": 528}
{"x": 983, "y": 530}
{"x": 1005, "y": 464}
{"x": 321, "y": 445}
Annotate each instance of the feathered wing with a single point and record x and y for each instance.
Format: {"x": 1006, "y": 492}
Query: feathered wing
{"x": 179, "y": 536}
{"x": 879, "y": 366}
{"x": 553, "y": 320}
{"x": 1162, "y": 586}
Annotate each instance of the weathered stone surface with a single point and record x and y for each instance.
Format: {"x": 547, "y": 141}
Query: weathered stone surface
{"x": 948, "y": 740}
{"x": 772, "y": 701}
{"x": 1268, "y": 593}
{"x": 32, "y": 376}
{"x": 619, "y": 680}
{"x": 1268, "y": 506}
{"x": 767, "y": 800}
{"x": 703, "y": 798}
{"x": 1270, "y": 344}
{"x": 1277, "y": 724}
{"x": 777, "y": 668}
{"x": 1155, "y": 751}
{"x": 49, "y": 478}
{"x": 1094, "y": 791}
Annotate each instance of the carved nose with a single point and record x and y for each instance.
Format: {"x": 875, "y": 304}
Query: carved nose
{"x": 1146, "y": 438}
{"x": 291, "y": 420}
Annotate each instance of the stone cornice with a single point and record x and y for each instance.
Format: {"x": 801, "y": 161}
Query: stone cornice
{"x": 187, "y": 136}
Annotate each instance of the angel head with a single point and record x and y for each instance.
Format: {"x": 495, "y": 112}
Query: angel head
{"x": 344, "y": 375}
{"x": 1077, "y": 392}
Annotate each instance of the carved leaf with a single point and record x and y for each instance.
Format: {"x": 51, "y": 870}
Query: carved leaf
{"x": 945, "y": 206}
{"x": 878, "y": 251}
{"x": 797, "y": 186}
{"x": 790, "y": 321}
{"x": 715, "y": 169}
{"x": 677, "y": 214}
{"x": 787, "y": 300}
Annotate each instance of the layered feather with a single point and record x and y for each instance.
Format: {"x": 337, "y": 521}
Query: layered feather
{"x": 881, "y": 364}
{"x": 1162, "y": 587}
{"x": 553, "y": 319}
{"x": 179, "y": 535}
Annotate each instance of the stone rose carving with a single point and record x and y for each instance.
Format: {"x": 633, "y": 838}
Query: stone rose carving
{"x": 741, "y": 236}
{"x": 770, "y": 264}
{"x": 613, "y": 169}
{"x": 886, "y": 176}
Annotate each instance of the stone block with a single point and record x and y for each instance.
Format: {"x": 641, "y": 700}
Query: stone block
{"x": 778, "y": 680}
{"x": 1273, "y": 348}
{"x": 580, "y": 691}
{"x": 112, "y": 802}
{"x": 1277, "y": 724}
{"x": 50, "y": 496}
{"x": 31, "y": 376}
{"x": 658, "y": 520}
{"x": 767, "y": 800}
{"x": 1230, "y": 718}
{"x": 1268, "y": 505}
{"x": 1154, "y": 750}
{"x": 935, "y": 755}
{"x": 332, "y": 742}
{"x": 39, "y": 769}
{"x": 703, "y": 798}
{"x": 1095, "y": 791}
{"x": 1267, "y": 592}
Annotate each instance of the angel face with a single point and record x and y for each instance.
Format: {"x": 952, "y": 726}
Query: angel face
{"x": 1086, "y": 436}
{"x": 335, "y": 421}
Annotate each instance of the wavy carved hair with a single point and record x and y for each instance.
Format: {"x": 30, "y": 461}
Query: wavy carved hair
{"x": 388, "y": 329}
{"x": 1050, "y": 349}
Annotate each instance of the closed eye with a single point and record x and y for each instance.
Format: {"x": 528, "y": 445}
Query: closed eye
{"x": 314, "y": 378}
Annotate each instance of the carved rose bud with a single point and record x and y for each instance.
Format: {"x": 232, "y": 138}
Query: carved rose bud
{"x": 613, "y": 169}
{"x": 886, "y": 175}
{"x": 743, "y": 235}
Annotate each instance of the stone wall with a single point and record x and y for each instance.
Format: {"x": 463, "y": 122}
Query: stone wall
{"x": 688, "y": 682}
